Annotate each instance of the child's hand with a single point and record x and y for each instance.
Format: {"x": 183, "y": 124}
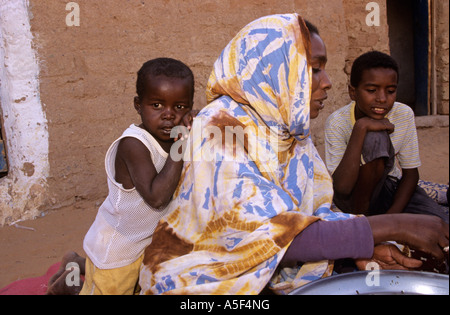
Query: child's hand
{"x": 186, "y": 121}
{"x": 188, "y": 118}
{"x": 370, "y": 124}
{"x": 388, "y": 256}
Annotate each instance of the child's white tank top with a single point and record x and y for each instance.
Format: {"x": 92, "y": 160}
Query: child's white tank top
{"x": 125, "y": 223}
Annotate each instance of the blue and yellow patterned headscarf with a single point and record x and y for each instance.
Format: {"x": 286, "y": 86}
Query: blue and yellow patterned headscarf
{"x": 242, "y": 200}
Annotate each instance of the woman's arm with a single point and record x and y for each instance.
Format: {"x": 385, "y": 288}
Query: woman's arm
{"x": 427, "y": 233}
{"x": 331, "y": 240}
{"x": 356, "y": 237}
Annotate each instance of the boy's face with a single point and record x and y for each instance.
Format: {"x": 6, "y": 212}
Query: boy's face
{"x": 165, "y": 102}
{"x": 376, "y": 93}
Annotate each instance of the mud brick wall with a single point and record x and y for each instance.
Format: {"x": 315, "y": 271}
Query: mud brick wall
{"x": 86, "y": 75}
{"x": 442, "y": 59}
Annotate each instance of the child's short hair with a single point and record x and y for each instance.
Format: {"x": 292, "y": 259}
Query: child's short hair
{"x": 168, "y": 67}
{"x": 371, "y": 60}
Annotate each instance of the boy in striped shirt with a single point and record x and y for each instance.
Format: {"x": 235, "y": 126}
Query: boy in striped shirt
{"x": 371, "y": 146}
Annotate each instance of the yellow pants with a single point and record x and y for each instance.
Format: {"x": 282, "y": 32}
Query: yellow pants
{"x": 118, "y": 281}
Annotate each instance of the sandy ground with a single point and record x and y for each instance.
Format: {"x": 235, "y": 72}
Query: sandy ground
{"x": 31, "y": 248}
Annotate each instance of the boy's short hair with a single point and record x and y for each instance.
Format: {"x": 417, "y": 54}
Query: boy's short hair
{"x": 371, "y": 60}
{"x": 168, "y": 67}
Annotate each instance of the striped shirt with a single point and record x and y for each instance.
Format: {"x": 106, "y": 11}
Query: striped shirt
{"x": 339, "y": 126}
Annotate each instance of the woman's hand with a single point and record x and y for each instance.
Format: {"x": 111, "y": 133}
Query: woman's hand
{"x": 388, "y": 256}
{"x": 427, "y": 233}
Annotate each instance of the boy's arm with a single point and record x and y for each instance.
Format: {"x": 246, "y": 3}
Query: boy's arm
{"x": 409, "y": 160}
{"x": 406, "y": 189}
{"x": 346, "y": 174}
{"x": 155, "y": 188}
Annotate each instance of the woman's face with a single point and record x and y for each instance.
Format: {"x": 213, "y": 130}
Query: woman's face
{"x": 320, "y": 80}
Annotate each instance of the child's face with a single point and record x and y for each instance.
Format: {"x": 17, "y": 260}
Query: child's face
{"x": 376, "y": 93}
{"x": 165, "y": 102}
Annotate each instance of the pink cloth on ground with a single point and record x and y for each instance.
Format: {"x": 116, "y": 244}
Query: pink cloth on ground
{"x": 31, "y": 286}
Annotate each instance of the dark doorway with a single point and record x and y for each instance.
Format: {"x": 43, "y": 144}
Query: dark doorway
{"x": 3, "y": 160}
{"x": 408, "y": 22}
{"x": 3, "y": 163}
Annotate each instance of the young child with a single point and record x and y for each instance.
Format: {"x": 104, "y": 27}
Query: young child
{"x": 371, "y": 146}
{"x": 142, "y": 177}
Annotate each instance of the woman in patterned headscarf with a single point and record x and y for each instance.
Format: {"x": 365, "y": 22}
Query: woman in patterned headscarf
{"x": 255, "y": 196}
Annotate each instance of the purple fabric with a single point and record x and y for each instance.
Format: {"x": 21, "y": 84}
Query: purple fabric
{"x": 331, "y": 240}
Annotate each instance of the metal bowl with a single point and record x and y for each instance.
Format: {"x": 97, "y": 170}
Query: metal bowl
{"x": 379, "y": 282}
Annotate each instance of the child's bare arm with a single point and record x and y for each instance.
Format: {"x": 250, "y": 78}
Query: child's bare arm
{"x": 135, "y": 168}
{"x": 346, "y": 174}
{"x": 406, "y": 188}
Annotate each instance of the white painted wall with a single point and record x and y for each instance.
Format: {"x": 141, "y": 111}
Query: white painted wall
{"x": 23, "y": 191}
